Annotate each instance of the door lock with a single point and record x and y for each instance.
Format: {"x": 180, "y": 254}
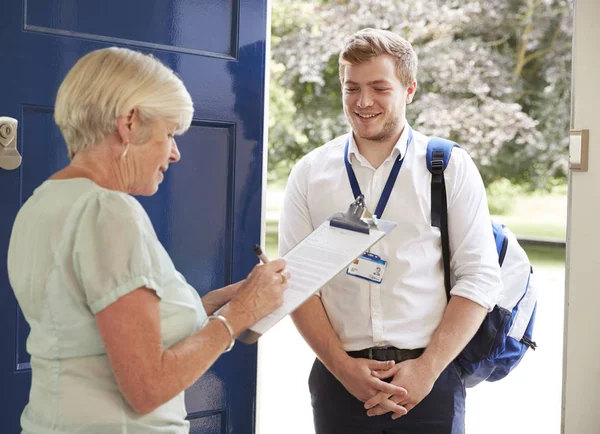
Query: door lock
{"x": 10, "y": 158}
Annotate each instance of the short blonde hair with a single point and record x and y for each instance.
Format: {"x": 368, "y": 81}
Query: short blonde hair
{"x": 366, "y": 44}
{"x": 109, "y": 83}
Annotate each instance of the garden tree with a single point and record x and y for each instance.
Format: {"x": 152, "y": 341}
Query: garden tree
{"x": 493, "y": 76}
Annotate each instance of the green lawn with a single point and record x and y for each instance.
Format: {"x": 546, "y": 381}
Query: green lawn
{"x": 538, "y": 216}
{"x": 545, "y": 256}
{"x": 530, "y": 228}
{"x": 271, "y": 244}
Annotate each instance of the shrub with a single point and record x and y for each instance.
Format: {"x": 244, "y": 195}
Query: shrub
{"x": 501, "y": 195}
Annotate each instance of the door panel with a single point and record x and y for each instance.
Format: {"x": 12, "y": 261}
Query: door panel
{"x": 207, "y": 211}
{"x": 175, "y": 26}
{"x": 42, "y": 147}
{"x": 210, "y": 425}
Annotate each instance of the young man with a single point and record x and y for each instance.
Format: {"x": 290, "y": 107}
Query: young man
{"x": 364, "y": 333}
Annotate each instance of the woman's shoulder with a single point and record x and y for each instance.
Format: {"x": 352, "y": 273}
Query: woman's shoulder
{"x": 115, "y": 202}
{"x": 81, "y": 199}
{"x": 111, "y": 208}
{"x": 85, "y": 192}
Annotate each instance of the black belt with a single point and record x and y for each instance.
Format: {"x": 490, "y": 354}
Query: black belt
{"x": 388, "y": 353}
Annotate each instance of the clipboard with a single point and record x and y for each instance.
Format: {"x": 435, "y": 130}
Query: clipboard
{"x": 321, "y": 256}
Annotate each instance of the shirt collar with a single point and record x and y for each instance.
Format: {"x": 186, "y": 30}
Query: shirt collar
{"x": 399, "y": 147}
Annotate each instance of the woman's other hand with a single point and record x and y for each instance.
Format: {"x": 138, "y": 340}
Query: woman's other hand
{"x": 218, "y": 298}
{"x": 259, "y": 295}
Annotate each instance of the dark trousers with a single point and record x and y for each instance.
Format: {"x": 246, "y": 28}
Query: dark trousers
{"x": 336, "y": 411}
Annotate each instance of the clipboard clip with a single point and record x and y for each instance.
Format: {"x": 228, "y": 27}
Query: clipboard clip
{"x": 353, "y": 218}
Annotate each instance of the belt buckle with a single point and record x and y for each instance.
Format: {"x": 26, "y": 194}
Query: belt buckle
{"x": 370, "y": 353}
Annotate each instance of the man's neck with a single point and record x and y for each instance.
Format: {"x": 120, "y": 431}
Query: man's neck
{"x": 376, "y": 152}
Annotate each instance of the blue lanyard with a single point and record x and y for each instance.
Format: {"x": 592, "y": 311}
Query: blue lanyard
{"x": 389, "y": 185}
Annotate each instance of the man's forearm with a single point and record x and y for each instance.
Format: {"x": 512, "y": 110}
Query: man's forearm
{"x": 313, "y": 324}
{"x": 461, "y": 321}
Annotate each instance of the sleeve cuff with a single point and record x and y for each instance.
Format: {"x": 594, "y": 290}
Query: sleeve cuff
{"x": 135, "y": 283}
{"x": 486, "y": 300}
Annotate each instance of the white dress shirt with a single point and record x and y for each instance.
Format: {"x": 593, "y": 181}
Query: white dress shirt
{"x": 406, "y": 308}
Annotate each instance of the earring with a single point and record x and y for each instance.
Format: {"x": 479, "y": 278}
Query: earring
{"x": 124, "y": 154}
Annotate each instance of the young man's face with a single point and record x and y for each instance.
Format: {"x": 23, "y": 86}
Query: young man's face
{"x": 375, "y": 99}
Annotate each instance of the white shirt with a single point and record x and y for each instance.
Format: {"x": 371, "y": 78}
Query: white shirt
{"x": 76, "y": 248}
{"x": 406, "y": 308}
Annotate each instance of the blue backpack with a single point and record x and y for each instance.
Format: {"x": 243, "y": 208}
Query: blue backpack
{"x": 501, "y": 341}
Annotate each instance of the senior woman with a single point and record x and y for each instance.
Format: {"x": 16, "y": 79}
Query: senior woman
{"x": 117, "y": 334}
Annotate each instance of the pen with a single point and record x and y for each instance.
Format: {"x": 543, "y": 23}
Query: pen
{"x": 260, "y": 254}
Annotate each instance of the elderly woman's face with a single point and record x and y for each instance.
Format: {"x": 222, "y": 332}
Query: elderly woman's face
{"x": 152, "y": 158}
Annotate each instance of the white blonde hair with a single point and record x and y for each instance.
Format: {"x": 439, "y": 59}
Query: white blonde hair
{"x": 109, "y": 83}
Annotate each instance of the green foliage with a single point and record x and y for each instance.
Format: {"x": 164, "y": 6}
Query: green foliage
{"x": 283, "y": 132}
{"x": 493, "y": 76}
{"x": 501, "y": 195}
{"x": 558, "y": 186}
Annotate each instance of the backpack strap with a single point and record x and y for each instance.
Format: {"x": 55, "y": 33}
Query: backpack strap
{"x": 438, "y": 155}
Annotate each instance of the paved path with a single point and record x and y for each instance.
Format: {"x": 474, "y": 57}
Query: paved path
{"x": 527, "y": 401}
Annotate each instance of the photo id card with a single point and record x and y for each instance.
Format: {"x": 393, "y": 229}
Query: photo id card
{"x": 368, "y": 266}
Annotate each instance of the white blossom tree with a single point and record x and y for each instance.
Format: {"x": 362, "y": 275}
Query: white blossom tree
{"x": 493, "y": 76}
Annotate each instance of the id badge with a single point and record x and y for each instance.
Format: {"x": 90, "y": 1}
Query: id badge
{"x": 368, "y": 266}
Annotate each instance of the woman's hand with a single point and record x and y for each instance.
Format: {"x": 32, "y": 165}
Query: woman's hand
{"x": 259, "y": 295}
{"x": 218, "y": 298}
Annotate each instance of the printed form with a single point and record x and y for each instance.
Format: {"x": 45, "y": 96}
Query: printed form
{"x": 318, "y": 258}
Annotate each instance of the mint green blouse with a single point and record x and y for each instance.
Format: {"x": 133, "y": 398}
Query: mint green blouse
{"x": 75, "y": 249}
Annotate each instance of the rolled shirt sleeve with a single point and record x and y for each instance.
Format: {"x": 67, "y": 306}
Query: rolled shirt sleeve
{"x": 474, "y": 258}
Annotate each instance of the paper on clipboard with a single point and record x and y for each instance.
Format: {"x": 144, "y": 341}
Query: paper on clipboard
{"x": 318, "y": 258}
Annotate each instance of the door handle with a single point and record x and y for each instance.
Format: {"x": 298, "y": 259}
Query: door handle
{"x": 10, "y": 158}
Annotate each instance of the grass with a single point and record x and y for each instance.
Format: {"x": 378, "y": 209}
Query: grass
{"x": 538, "y": 216}
{"x": 271, "y": 244}
{"x": 545, "y": 256}
{"x": 531, "y": 229}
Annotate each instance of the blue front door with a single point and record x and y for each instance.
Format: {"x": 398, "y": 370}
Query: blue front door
{"x": 207, "y": 212}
